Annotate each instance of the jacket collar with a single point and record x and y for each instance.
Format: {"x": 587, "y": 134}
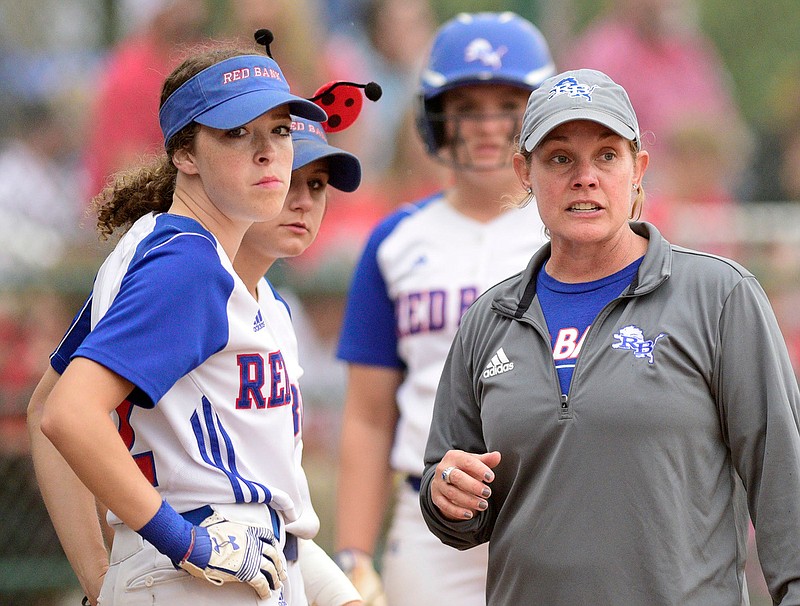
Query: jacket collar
{"x": 516, "y": 296}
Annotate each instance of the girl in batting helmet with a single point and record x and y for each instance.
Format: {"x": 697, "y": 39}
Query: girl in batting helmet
{"x": 478, "y": 48}
{"x": 421, "y": 269}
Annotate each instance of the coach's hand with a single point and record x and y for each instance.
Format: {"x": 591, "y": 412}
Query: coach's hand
{"x": 358, "y": 567}
{"x": 226, "y": 551}
{"x": 460, "y": 486}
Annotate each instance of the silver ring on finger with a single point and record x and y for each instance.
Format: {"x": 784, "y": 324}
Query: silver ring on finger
{"x": 446, "y": 474}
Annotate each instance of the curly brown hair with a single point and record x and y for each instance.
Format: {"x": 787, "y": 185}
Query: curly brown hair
{"x": 135, "y": 192}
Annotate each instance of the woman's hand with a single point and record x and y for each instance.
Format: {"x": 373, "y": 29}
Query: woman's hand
{"x": 460, "y": 487}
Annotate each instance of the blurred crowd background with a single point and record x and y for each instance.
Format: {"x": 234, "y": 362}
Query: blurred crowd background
{"x": 716, "y": 85}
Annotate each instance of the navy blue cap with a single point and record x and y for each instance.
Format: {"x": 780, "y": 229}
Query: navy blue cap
{"x": 231, "y": 93}
{"x": 311, "y": 143}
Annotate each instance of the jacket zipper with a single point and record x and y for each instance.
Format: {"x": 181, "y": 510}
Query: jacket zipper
{"x": 599, "y": 319}
{"x": 564, "y": 410}
{"x": 564, "y": 407}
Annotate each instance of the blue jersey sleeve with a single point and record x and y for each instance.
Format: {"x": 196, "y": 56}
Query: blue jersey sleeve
{"x": 76, "y": 333}
{"x": 169, "y": 315}
{"x": 369, "y": 332}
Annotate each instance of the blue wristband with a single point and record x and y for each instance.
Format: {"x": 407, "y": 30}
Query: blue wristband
{"x": 176, "y": 538}
{"x": 201, "y": 554}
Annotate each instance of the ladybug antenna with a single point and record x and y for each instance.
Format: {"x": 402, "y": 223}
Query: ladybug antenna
{"x": 343, "y": 105}
{"x": 372, "y": 90}
{"x": 264, "y": 37}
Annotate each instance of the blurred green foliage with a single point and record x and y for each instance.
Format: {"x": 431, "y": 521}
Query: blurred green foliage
{"x": 759, "y": 42}
{"x": 447, "y": 8}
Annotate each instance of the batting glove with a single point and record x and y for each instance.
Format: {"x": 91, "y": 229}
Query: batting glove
{"x": 358, "y": 567}
{"x": 235, "y": 552}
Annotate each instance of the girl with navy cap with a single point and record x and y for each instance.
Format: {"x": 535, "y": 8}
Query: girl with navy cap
{"x": 197, "y": 464}
{"x": 316, "y": 166}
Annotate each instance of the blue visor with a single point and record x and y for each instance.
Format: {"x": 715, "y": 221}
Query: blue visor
{"x": 231, "y": 93}
{"x": 311, "y": 143}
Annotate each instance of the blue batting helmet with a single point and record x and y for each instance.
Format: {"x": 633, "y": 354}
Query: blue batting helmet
{"x": 474, "y": 48}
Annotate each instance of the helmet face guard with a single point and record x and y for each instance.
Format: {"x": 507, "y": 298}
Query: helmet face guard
{"x": 451, "y": 144}
{"x": 475, "y": 48}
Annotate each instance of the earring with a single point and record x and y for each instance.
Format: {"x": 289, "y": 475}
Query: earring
{"x": 635, "y": 186}
{"x": 530, "y": 191}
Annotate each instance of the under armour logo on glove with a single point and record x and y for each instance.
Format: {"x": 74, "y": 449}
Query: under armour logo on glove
{"x": 236, "y": 552}
{"x": 231, "y": 541}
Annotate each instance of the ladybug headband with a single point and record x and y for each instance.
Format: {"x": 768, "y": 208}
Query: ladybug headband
{"x": 342, "y": 101}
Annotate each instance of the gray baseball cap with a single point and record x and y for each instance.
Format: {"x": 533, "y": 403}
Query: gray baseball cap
{"x": 583, "y": 94}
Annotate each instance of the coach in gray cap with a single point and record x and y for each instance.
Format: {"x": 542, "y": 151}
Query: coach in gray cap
{"x": 579, "y": 95}
{"x": 644, "y": 386}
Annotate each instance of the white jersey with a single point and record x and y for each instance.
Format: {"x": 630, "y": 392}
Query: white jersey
{"x": 213, "y": 416}
{"x": 278, "y": 316}
{"x": 422, "y": 268}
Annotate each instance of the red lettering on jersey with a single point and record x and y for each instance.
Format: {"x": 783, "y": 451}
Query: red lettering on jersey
{"x": 437, "y": 302}
{"x": 468, "y": 296}
{"x": 144, "y": 460}
{"x": 414, "y": 300}
{"x": 280, "y": 393}
{"x": 427, "y": 310}
{"x": 147, "y": 466}
{"x": 251, "y": 380}
{"x": 124, "y": 427}
{"x": 421, "y": 311}
{"x": 297, "y": 409}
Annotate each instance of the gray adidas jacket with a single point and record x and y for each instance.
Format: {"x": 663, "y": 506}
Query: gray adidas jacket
{"x": 630, "y": 492}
